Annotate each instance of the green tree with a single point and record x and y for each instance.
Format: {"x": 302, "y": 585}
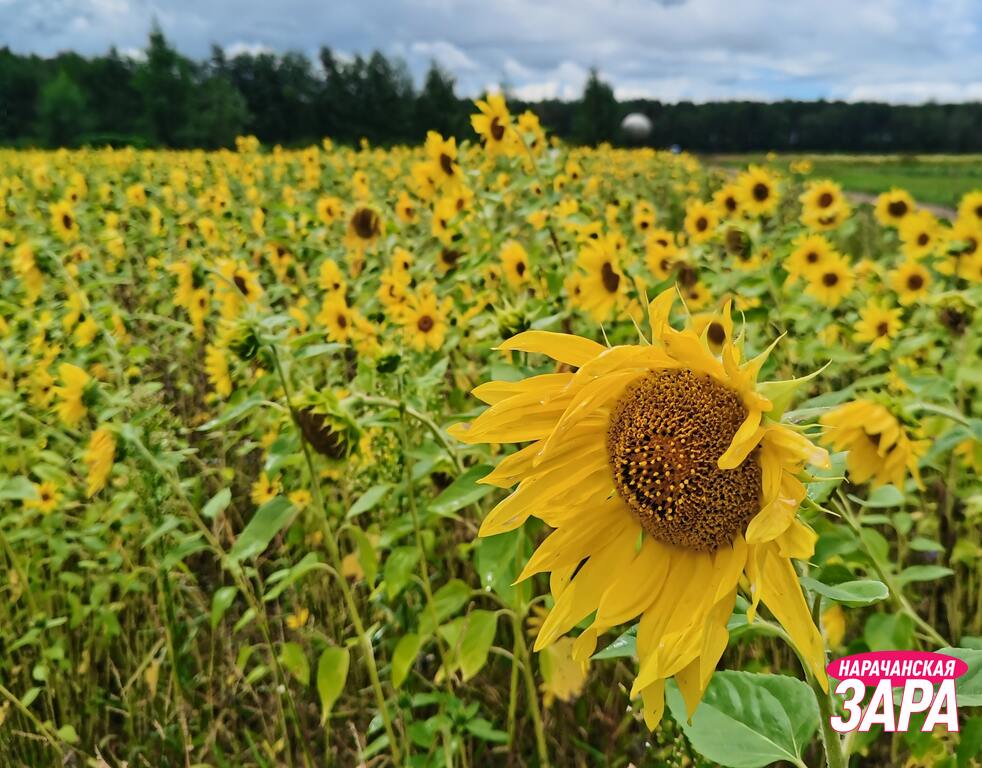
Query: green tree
{"x": 165, "y": 83}
{"x": 219, "y": 113}
{"x": 596, "y": 117}
{"x": 62, "y": 113}
{"x": 437, "y": 107}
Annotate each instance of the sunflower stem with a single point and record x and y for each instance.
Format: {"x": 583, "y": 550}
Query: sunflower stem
{"x": 368, "y": 651}
{"x": 882, "y": 570}
{"x": 835, "y": 756}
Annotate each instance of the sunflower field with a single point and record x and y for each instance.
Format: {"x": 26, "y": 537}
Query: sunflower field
{"x": 500, "y": 453}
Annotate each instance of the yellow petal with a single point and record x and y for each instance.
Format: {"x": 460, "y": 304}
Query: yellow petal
{"x": 564, "y": 347}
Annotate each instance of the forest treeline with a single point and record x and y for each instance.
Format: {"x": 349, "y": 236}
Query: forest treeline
{"x": 166, "y": 99}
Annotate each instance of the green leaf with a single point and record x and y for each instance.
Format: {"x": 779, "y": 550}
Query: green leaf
{"x": 825, "y": 481}
{"x": 216, "y": 504}
{"x": 463, "y": 491}
{"x": 923, "y": 573}
{"x": 475, "y": 642}
{"x": 282, "y": 579}
{"x": 18, "y": 489}
{"x": 851, "y": 593}
{"x": 884, "y": 496}
{"x": 271, "y": 518}
{"x": 68, "y": 734}
{"x": 969, "y": 742}
{"x": 367, "y": 556}
{"x": 747, "y": 720}
{"x": 623, "y": 647}
{"x": 398, "y": 566}
{"x": 447, "y": 600}
{"x": 403, "y": 657}
{"x": 316, "y": 350}
{"x": 888, "y": 631}
{"x": 233, "y": 413}
{"x": 921, "y": 544}
{"x": 332, "y": 671}
{"x": 485, "y": 731}
{"x": 496, "y": 561}
{"x": 293, "y": 658}
{"x": 968, "y": 687}
{"x": 369, "y": 499}
{"x": 220, "y": 602}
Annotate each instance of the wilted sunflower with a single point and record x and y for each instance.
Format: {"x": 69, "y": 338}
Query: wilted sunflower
{"x": 880, "y": 451}
{"x": 666, "y": 476}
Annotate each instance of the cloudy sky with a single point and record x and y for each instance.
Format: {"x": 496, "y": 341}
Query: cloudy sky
{"x": 892, "y": 50}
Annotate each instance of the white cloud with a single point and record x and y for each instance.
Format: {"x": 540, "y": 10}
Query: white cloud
{"x": 900, "y": 50}
{"x": 445, "y": 54}
{"x": 239, "y": 48}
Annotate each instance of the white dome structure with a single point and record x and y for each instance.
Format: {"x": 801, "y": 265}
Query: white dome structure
{"x": 636, "y": 126}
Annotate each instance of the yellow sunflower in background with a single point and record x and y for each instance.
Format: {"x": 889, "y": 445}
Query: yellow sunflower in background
{"x": 880, "y": 451}
{"x": 604, "y": 286}
{"x": 63, "y": 221}
{"x": 72, "y": 408}
{"x": 727, "y": 201}
{"x": 832, "y": 281}
{"x": 515, "y": 264}
{"x": 970, "y": 208}
{"x": 920, "y": 234}
{"x": 424, "y": 320}
{"x": 758, "y": 189}
{"x": 364, "y": 228}
{"x": 443, "y": 158}
{"x": 878, "y": 324}
{"x": 667, "y": 479}
{"x": 893, "y": 207}
{"x": 99, "y": 456}
{"x": 911, "y": 282}
{"x": 493, "y": 124}
{"x": 700, "y": 221}
{"x": 823, "y": 205}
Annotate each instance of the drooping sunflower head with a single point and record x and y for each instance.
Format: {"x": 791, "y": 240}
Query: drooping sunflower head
{"x": 666, "y": 475}
{"x": 880, "y": 448}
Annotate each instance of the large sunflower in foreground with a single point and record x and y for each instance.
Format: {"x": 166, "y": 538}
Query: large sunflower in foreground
{"x": 668, "y": 482}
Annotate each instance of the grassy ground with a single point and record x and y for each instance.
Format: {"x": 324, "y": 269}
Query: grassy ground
{"x": 938, "y": 179}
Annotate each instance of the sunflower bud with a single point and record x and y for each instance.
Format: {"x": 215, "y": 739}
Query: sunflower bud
{"x": 328, "y": 429}
{"x": 738, "y": 243}
{"x": 511, "y": 321}
{"x": 244, "y": 343}
{"x": 955, "y": 315}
